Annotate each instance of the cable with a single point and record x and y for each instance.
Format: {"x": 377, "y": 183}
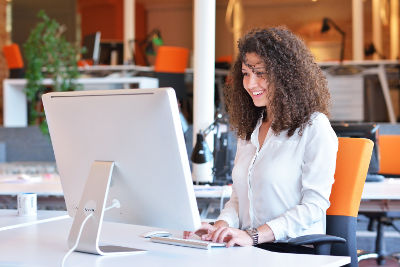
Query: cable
{"x": 77, "y": 240}
{"x": 115, "y": 204}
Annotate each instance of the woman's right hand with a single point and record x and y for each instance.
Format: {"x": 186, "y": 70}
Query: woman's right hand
{"x": 204, "y": 229}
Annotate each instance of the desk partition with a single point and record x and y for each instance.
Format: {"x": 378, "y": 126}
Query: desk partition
{"x": 15, "y": 111}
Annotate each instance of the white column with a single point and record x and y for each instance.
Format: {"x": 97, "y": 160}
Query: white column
{"x": 376, "y": 28}
{"x": 358, "y": 30}
{"x": 394, "y": 29}
{"x": 129, "y": 30}
{"x": 203, "y": 77}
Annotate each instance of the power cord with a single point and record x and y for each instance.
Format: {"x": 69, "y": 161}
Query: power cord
{"x": 115, "y": 204}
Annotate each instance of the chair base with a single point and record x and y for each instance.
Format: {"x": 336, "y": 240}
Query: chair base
{"x": 385, "y": 262}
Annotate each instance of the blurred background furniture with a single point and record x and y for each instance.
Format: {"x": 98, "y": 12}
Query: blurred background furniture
{"x": 15, "y": 103}
{"x": 14, "y": 60}
{"x": 169, "y": 68}
{"x": 381, "y": 201}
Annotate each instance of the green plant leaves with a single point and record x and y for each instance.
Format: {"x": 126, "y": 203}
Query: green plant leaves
{"x": 48, "y": 55}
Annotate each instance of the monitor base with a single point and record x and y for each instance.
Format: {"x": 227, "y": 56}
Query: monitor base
{"x": 92, "y": 203}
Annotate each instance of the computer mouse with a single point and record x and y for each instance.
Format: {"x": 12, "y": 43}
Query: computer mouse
{"x": 158, "y": 233}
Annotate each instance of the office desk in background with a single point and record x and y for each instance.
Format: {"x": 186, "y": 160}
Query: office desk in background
{"x": 47, "y": 187}
{"x": 380, "y": 196}
{"x": 45, "y": 245}
{"x": 15, "y": 104}
{"x": 381, "y": 202}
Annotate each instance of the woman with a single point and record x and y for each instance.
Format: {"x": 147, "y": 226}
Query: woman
{"x": 286, "y": 154}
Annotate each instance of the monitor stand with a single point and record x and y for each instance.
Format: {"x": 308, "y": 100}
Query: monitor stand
{"x": 93, "y": 200}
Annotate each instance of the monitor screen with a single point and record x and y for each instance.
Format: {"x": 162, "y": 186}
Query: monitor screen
{"x": 91, "y": 42}
{"x": 362, "y": 130}
{"x": 111, "y": 53}
{"x": 140, "y": 131}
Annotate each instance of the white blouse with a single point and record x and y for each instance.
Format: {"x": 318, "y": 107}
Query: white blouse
{"x": 287, "y": 183}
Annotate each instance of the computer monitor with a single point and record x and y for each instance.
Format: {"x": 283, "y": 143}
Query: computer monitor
{"x": 363, "y": 130}
{"x": 92, "y": 44}
{"x": 138, "y": 131}
{"x": 111, "y": 53}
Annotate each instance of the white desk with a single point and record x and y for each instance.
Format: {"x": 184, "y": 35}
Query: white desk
{"x": 381, "y": 196}
{"x": 49, "y": 185}
{"x": 11, "y": 220}
{"x": 48, "y": 190}
{"x": 15, "y": 103}
{"x": 45, "y": 245}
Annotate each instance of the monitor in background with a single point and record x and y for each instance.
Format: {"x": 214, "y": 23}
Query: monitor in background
{"x": 92, "y": 44}
{"x": 363, "y": 130}
{"x": 133, "y": 136}
{"x": 111, "y": 53}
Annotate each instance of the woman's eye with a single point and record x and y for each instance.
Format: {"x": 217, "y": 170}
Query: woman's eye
{"x": 260, "y": 74}
{"x": 245, "y": 73}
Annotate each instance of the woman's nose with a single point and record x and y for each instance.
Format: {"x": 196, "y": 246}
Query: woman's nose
{"x": 252, "y": 81}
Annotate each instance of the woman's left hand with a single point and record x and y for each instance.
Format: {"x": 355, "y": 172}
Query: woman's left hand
{"x": 232, "y": 237}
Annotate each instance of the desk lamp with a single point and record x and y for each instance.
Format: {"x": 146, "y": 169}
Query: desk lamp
{"x": 153, "y": 38}
{"x": 371, "y": 49}
{"x": 326, "y": 22}
{"x": 201, "y": 153}
{"x": 339, "y": 70}
{"x": 147, "y": 44}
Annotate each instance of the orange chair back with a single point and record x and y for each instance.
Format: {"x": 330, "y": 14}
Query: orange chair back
{"x": 353, "y": 157}
{"x": 171, "y": 59}
{"x": 13, "y": 56}
{"x": 227, "y": 58}
{"x": 389, "y": 147}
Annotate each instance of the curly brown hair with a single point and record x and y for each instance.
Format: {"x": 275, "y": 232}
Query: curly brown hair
{"x": 299, "y": 87}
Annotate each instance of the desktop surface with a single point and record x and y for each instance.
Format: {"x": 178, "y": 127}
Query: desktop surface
{"x": 45, "y": 245}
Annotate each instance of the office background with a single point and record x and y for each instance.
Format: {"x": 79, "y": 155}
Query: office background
{"x": 174, "y": 19}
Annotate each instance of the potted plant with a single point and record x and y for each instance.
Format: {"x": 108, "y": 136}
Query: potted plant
{"x": 48, "y": 55}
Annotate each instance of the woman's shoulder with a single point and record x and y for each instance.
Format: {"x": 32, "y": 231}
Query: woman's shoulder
{"x": 319, "y": 125}
{"x": 318, "y": 120}
{"x": 319, "y": 117}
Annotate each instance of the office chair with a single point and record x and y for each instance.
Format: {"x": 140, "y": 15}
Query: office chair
{"x": 389, "y": 155}
{"x": 352, "y": 163}
{"x": 169, "y": 67}
{"x": 14, "y": 60}
{"x": 390, "y": 167}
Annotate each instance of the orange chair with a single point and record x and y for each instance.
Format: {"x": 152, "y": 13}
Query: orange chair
{"x": 171, "y": 59}
{"x": 226, "y": 59}
{"x": 170, "y": 65}
{"x": 352, "y": 163}
{"x": 14, "y": 60}
{"x": 389, "y": 147}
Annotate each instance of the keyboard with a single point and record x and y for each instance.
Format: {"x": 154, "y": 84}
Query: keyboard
{"x": 193, "y": 243}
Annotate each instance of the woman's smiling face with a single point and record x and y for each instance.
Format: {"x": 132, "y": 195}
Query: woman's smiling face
{"x": 255, "y": 79}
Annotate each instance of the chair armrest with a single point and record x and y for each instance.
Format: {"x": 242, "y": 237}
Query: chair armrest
{"x": 321, "y": 243}
{"x": 315, "y": 239}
